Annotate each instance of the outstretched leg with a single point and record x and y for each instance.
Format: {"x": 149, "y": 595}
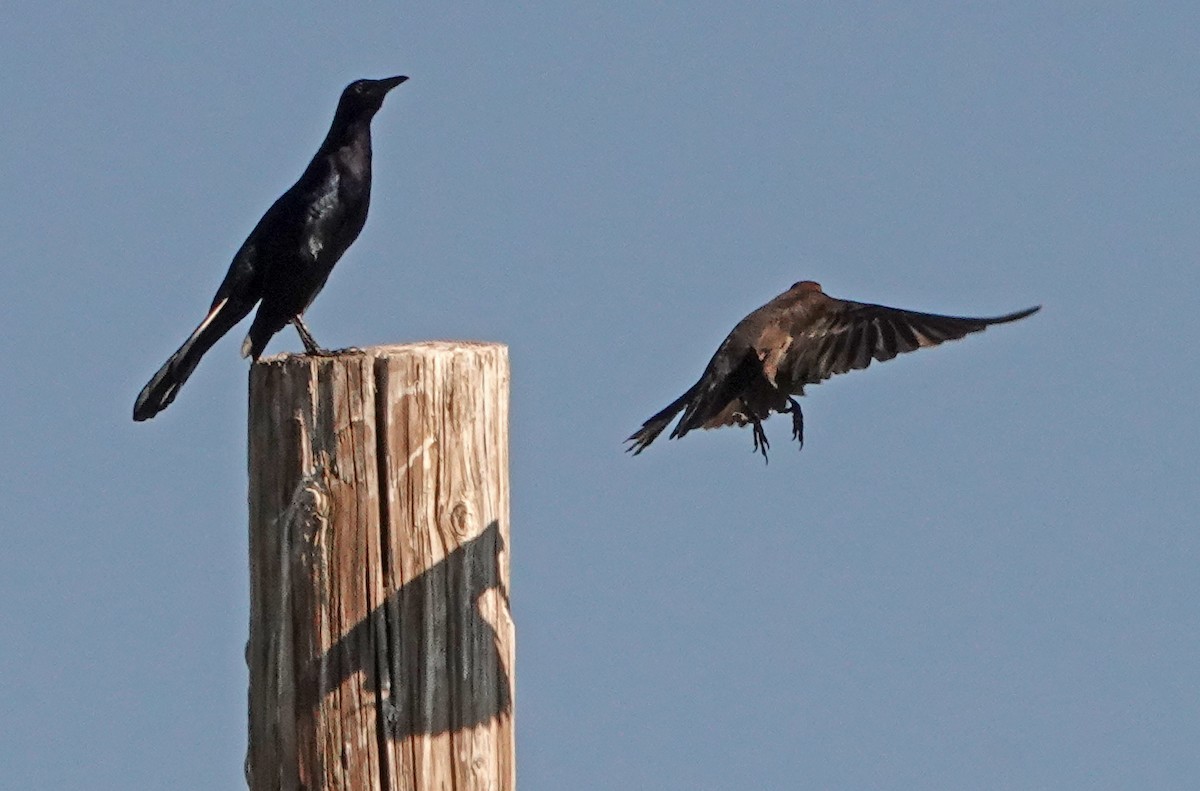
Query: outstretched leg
{"x": 306, "y": 337}
{"x": 797, "y": 421}
{"x": 760, "y": 440}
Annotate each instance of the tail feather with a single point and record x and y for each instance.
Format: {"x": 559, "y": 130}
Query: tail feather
{"x": 655, "y": 425}
{"x": 700, "y": 409}
{"x": 162, "y": 388}
{"x": 720, "y": 384}
{"x": 704, "y": 400}
{"x": 262, "y": 329}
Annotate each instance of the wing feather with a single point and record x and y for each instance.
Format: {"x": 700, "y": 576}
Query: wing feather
{"x": 848, "y": 336}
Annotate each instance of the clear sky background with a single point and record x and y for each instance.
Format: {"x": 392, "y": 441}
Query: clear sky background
{"x": 981, "y": 572}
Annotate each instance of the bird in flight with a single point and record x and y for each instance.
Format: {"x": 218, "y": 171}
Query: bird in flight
{"x": 285, "y": 261}
{"x": 801, "y": 337}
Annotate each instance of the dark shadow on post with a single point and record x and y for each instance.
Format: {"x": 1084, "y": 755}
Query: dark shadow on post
{"x": 437, "y": 657}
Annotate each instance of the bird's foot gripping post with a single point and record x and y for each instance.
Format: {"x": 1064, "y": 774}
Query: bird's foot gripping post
{"x": 381, "y": 643}
{"x": 312, "y": 349}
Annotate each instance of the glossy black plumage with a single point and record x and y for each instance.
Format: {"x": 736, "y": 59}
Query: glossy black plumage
{"x": 286, "y": 259}
{"x": 801, "y": 337}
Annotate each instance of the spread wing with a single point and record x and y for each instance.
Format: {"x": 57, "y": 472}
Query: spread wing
{"x": 846, "y": 336}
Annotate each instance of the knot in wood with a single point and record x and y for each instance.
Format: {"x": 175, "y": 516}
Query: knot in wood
{"x": 460, "y": 522}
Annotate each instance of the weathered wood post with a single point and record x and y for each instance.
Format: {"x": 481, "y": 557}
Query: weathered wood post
{"x": 381, "y": 643}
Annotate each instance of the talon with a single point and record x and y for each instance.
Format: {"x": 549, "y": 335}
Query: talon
{"x": 761, "y": 443}
{"x": 797, "y": 422}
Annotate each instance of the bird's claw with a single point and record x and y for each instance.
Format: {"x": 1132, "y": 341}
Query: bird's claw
{"x": 797, "y": 422}
{"x": 318, "y": 351}
{"x": 760, "y": 441}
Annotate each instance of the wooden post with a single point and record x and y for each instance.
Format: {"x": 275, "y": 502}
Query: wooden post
{"x": 381, "y": 644}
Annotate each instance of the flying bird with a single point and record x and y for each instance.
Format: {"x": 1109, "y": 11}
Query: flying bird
{"x": 285, "y": 261}
{"x": 801, "y": 337}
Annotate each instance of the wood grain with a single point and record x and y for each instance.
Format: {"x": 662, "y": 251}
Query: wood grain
{"x": 381, "y": 642}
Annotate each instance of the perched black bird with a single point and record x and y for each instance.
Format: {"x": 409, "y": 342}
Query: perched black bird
{"x": 285, "y": 261}
{"x": 801, "y": 337}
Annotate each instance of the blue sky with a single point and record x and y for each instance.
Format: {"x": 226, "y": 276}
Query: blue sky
{"x": 981, "y": 572}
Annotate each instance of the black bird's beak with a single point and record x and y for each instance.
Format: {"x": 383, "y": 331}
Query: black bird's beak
{"x": 391, "y": 82}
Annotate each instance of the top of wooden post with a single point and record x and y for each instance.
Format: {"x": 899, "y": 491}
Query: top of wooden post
{"x": 387, "y": 350}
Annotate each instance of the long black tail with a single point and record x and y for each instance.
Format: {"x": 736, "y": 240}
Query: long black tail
{"x": 162, "y": 388}
{"x": 655, "y": 425}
